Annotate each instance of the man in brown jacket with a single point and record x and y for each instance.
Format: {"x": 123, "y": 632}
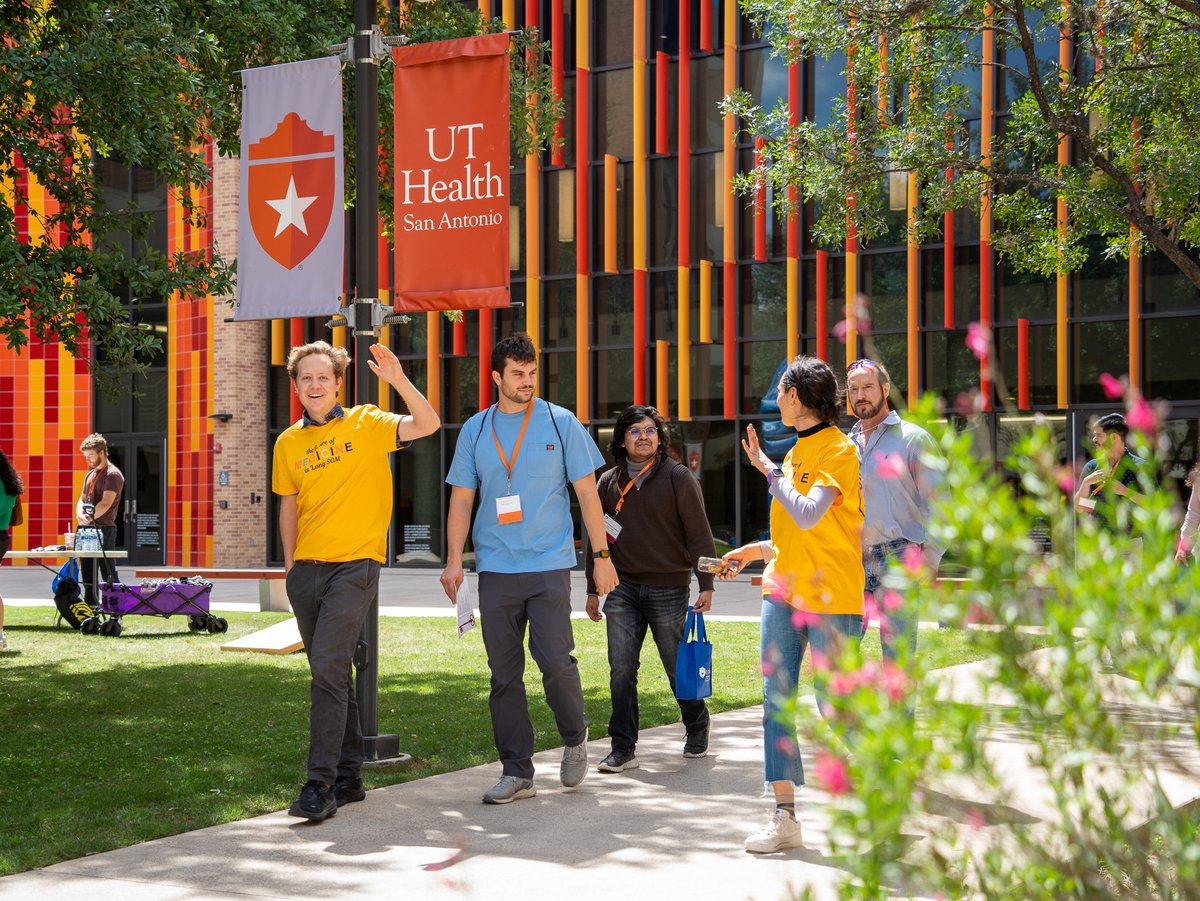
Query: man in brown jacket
{"x": 657, "y": 530}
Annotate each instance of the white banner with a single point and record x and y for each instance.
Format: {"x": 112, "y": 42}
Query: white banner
{"x": 291, "y": 230}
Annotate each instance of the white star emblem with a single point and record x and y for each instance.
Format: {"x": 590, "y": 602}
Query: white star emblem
{"x": 291, "y": 209}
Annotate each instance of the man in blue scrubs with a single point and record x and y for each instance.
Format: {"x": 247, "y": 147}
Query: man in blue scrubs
{"x": 519, "y": 455}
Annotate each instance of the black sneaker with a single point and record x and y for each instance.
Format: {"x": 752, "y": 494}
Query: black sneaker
{"x": 619, "y": 762}
{"x": 696, "y": 744}
{"x": 347, "y": 789}
{"x": 316, "y": 802}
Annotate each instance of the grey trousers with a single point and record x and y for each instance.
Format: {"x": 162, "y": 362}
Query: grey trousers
{"x": 330, "y": 601}
{"x": 542, "y": 600}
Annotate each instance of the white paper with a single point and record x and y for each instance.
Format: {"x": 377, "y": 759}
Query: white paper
{"x": 466, "y": 608}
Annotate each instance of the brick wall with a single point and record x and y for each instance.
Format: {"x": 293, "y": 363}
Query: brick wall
{"x": 240, "y": 446}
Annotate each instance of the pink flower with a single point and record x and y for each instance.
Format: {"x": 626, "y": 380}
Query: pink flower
{"x": 832, "y": 773}
{"x": 870, "y": 609}
{"x": 913, "y": 559}
{"x": 1112, "y": 386}
{"x": 767, "y": 667}
{"x": 892, "y": 600}
{"x": 975, "y": 819}
{"x": 839, "y": 330}
{"x": 1141, "y": 417}
{"x": 979, "y": 340}
{"x": 967, "y": 403}
{"x": 888, "y": 466}
{"x": 894, "y": 681}
{"x": 1066, "y": 478}
{"x": 1183, "y": 546}
{"x": 820, "y": 661}
{"x": 842, "y": 684}
{"x": 785, "y": 745}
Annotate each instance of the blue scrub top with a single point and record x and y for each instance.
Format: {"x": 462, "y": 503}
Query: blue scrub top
{"x": 549, "y": 458}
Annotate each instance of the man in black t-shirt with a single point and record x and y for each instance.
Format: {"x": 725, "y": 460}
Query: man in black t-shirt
{"x": 1106, "y": 484}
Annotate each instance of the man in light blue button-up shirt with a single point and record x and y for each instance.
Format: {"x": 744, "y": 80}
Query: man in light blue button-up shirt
{"x": 898, "y": 485}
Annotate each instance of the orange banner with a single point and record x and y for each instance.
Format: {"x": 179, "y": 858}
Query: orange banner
{"x": 451, "y": 174}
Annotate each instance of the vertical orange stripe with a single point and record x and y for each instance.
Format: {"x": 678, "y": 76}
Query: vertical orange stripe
{"x": 279, "y": 349}
{"x": 662, "y": 373}
{"x": 1135, "y": 309}
{"x": 914, "y": 294}
{"x": 1064, "y": 160}
{"x": 583, "y": 318}
{"x": 793, "y": 227}
{"x": 985, "y": 211}
{"x": 729, "y": 231}
{"x": 433, "y": 359}
{"x": 706, "y": 302}
{"x": 610, "y": 213}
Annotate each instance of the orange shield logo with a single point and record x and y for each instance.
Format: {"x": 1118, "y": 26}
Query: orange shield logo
{"x": 290, "y": 190}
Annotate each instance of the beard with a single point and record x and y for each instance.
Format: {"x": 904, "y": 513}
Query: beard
{"x": 516, "y": 394}
{"x": 869, "y": 411}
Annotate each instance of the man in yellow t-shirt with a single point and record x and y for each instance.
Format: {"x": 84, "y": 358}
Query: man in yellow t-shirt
{"x": 334, "y": 480}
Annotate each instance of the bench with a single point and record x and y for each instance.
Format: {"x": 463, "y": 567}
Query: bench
{"x": 272, "y": 592}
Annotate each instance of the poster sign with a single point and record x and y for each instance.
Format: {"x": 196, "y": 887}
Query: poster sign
{"x": 451, "y": 174}
{"x": 290, "y": 226}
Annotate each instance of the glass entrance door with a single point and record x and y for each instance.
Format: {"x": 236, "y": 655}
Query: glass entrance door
{"x": 140, "y": 527}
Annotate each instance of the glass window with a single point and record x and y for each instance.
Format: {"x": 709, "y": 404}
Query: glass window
{"x": 664, "y": 207}
{"x": 835, "y": 302}
{"x": 512, "y": 319}
{"x": 516, "y": 219}
{"x": 558, "y": 306}
{"x": 761, "y": 369}
{"x": 826, "y": 89}
{"x": 150, "y": 401}
{"x": 559, "y": 225}
{"x": 883, "y": 279}
{"x": 1010, "y": 59}
{"x": 708, "y": 379}
{"x": 1023, "y": 295}
{"x": 708, "y": 87}
{"x": 950, "y": 369}
{"x": 776, "y": 224}
{"x": 710, "y": 450}
{"x": 115, "y": 413}
{"x": 558, "y": 379}
{"x": 707, "y": 192}
{"x": 612, "y": 309}
{"x": 765, "y": 77}
{"x": 409, "y": 338}
{"x": 1097, "y": 347}
{"x": 763, "y": 299}
{"x": 1101, "y": 286}
{"x": 612, "y": 31}
{"x": 417, "y": 503}
{"x": 664, "y": 305}
{"x": 966, "y": 285}
{"x": 1165, "y": 288}
{"x": 461, "y": 380}
{"x": 1043, "y": 366}
{"x": 613, "y": 382}
{"x": 892, "y": 351}
{"x": 613, "y": 113}
{"x": 568, "y": 119}
{"x": 1171, "y": 362}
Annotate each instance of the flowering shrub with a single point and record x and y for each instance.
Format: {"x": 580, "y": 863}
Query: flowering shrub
{"x": 1040, "y": 773}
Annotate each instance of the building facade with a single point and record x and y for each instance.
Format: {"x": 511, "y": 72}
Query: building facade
{"x": 642, "y": 279}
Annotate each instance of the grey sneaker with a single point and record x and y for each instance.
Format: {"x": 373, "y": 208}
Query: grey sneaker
{"x": 574, "y": 765}
{"x": 619, "y": 762}
{"x": 509, "y": 788}
{"x": 3, "y": 641}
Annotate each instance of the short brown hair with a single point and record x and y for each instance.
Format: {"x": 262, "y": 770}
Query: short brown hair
{"x": 517, "y": 347}
{"x": 338, "y": 356}
{"x": 94, "y": 441}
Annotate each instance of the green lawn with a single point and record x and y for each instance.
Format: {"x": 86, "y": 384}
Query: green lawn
{"x": 112, "y": 741}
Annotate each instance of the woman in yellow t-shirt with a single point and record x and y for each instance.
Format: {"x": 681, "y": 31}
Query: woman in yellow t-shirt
{"x": 813, "y": 581}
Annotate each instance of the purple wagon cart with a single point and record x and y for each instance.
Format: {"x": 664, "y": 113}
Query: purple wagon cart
{"x": 164, "y": 599}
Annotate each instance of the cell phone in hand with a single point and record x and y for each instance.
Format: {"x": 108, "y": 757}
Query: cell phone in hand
{"x": 717, "y": 566}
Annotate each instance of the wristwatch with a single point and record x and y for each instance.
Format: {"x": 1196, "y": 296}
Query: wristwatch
{"x": 773, "y": 475}
{"x": 596, "y": 555}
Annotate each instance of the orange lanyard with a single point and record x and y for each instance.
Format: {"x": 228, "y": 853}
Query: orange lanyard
{"x": 516, "y": 450}
{"x": 632, "y": 482}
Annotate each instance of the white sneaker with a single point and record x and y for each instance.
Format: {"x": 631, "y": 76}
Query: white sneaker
{"x": 781, "y": 832}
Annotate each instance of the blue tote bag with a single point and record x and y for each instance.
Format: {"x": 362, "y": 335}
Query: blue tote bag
{"x": 693, "y": 664}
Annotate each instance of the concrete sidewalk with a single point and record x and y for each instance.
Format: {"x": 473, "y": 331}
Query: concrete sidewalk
{"x": 672, "y": 829}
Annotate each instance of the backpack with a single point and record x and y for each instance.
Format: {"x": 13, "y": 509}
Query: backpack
{"x": 72, "y": 608}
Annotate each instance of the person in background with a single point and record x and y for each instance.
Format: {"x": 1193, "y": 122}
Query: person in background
{"x": 657, "y": 531}
{"x": 97, "y": 508}
{"x": 813, "y": 581}
{"x": 332, "y": 472}
{"x": 898, "y": 489}
{"x": 1109, "y": 482}
{"x": 1191, "y": 520}
{"x": 11, "y": 514}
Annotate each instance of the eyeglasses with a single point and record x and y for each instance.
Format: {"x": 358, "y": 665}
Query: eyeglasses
{"x": 649, "y": 432}
{"x": 861, "y": 364}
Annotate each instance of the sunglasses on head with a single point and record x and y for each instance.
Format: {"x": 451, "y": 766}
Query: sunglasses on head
{"x": 861, "y": 364}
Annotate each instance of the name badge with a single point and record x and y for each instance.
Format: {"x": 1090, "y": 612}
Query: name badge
{"x": 508, "y": 509}
{"x": 612, "y": 529}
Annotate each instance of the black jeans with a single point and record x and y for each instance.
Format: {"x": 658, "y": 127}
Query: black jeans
{"x": 108, "y": 569}
{"x": 628, "y": 610}
{"x": 331, "y": 601}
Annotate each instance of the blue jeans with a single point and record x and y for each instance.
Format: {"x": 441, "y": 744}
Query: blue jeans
{"x": 628, "y": 610}
{"x": 898, "y": 626}
{"x": 783, "y": 642}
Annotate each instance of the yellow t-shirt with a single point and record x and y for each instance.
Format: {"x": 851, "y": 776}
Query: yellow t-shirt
{"x": 343, "y": 482}
{"x": 820, "y": 569}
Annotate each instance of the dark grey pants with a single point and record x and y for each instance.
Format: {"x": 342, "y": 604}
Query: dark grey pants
{"x": 330, "y": 601}
{"x": 507, "y": 603}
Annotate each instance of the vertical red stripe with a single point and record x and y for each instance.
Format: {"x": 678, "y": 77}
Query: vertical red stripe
{"x": 948, "y": 274}
{"x": 296, "y": 333}
{"x": 460, "y": 336}
{"x": 823, "y": 305}
{"x": 685, "y": 136}
{"x": 760, "y": 207}
{"x": 556, "y": 76}
{"x": 729, "y": 332}
{"x": 985, "y": 320}
{"x": 1023, "y": 364}
{"x": 486, "y": 340}
{"x": 662, "y": 87}
{"x": 706, "y": 22}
